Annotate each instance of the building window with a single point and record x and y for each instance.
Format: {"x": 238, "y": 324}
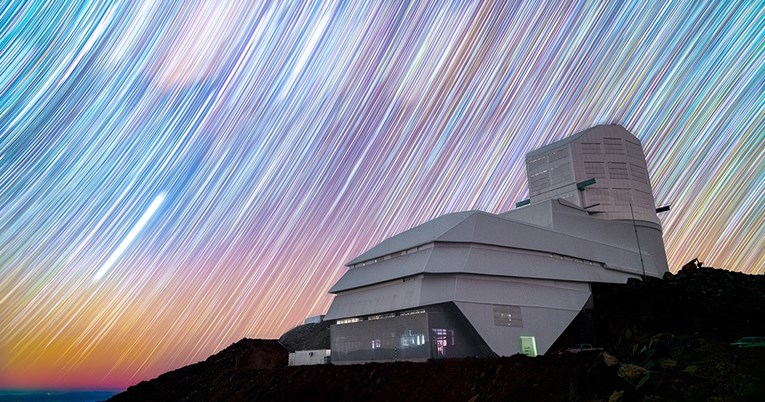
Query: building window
{"x": 410, "y": 312}
{"x": 409, "y": 339}
{"x": 381, "y": 316}
{"x": 348, "y": 320}
{"x": 442, "y": 339}
{"x": 507, "y": 316}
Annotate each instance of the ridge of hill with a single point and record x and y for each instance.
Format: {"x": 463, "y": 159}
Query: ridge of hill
{"x": 663, "y": 340}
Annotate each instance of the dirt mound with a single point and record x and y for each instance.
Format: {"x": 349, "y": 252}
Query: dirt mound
{"x": 307, "y": 337}
{"x": 258, "y": 354}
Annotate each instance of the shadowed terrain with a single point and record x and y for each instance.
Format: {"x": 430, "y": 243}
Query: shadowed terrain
{"x": 662, "y": 339}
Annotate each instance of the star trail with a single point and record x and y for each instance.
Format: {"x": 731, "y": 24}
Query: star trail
{"x": 175, "y": 176}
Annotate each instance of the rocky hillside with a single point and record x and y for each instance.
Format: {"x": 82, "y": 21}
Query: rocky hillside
{"x": 212, "y": 379}
{"x": 663, "y": 339}
{"x": 307, "y": 337}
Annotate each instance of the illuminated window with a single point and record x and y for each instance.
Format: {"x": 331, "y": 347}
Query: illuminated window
{"x": 442, "y": 338}
{"x": 507, "y": 316}
{"x": 381, "y": 316}
{"x": 409, "y": 339}
{"x": 348, "y": 320}
{"x": 376, "y": 343}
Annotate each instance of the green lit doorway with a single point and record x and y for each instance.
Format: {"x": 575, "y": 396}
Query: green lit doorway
{"x": 529, "y": 346}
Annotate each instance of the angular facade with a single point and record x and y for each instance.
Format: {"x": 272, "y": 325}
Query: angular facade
{"x": 480, "y": 284}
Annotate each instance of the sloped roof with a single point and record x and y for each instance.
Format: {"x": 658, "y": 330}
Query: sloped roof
{"x": 585, "y": 239}
{"x": 423, "y": 234}
{"x": 454, "y": 227}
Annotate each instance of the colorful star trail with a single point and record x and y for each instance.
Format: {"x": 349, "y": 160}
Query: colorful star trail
{"x": 175, "y": 176}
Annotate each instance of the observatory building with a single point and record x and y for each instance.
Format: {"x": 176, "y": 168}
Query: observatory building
{"x": 475, "y": 283}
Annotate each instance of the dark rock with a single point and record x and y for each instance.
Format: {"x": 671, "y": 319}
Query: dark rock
{"x": 213, "y": 379}
{"x": 663, "y": 340}
{"x": 307, "y": 337}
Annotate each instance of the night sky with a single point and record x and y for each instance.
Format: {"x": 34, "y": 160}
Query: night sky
{"x": 175, "y": 176}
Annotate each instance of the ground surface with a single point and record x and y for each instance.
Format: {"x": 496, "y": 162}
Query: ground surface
{"x": 663, "y": 340}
